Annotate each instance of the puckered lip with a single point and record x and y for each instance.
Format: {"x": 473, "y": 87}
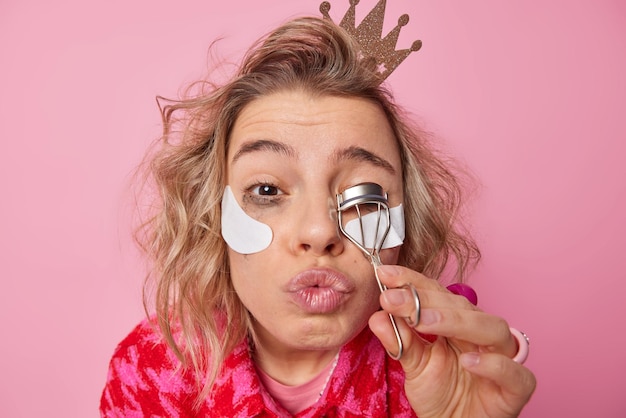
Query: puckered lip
{"x": 319, "y": 290}
{"x": 320, "y": 278}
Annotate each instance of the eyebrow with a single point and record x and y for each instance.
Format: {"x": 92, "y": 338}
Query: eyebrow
{"x": 355, "y": 153}
{"x": 265, "y": 145}
{"x": 352, "y": 153}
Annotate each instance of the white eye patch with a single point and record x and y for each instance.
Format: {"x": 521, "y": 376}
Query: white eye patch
{"x": 246, "y": 235}
{"x": 395, "y": 236}
{"x": 241, "y": 232}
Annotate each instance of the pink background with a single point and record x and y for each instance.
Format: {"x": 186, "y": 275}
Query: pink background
{"x": 530, "y": 95}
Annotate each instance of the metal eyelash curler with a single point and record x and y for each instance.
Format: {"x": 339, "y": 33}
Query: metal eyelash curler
{"x": 368, "y": 197}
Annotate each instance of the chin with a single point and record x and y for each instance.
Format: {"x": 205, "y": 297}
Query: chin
{"x": 327, "y": 333}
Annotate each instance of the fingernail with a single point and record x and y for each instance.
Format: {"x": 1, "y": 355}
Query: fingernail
{"x": 429, "y": 316}
{"x": 470, "y": 359}
{"x": 396, "y": 296}
{"x": 387, "y": 271}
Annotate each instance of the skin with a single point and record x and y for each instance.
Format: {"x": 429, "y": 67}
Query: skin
{"x": 290, "y": 153}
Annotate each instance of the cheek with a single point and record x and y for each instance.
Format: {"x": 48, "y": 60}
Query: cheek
{"x": 238, "y": 268}
{"x": 247, "y": 280}
{"x": 245, "y": 272}
{"x": 253, "y": 274}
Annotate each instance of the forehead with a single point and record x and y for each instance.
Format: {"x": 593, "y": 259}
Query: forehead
{"x": 318, "y": 124}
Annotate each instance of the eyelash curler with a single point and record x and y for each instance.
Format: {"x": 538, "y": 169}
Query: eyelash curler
{"x": 354, "y": 203}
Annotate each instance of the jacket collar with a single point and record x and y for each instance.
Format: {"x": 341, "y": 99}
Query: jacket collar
{"x": 357, "y": 387}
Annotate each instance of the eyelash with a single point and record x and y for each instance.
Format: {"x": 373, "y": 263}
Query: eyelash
{"x": 252, "y": 194}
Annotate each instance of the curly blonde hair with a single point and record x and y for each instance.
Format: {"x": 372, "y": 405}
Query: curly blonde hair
{"x": 197, "y": 308}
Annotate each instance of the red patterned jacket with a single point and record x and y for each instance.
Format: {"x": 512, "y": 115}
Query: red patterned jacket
{"x": 145, "y": 380}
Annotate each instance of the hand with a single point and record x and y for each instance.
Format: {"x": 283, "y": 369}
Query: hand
{"x": 467, "y": 371}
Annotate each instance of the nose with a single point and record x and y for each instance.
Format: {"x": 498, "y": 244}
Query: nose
{"x": 316, "y": 230}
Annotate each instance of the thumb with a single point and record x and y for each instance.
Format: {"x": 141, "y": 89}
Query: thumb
{"x": 413, "y": 347}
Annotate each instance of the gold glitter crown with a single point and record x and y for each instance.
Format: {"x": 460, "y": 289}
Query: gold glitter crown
{"x": 369, "y": 36}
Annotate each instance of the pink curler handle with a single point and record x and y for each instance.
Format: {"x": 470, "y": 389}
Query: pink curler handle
{"x": 523, "y": 346}
{"x": 464, "y": 290}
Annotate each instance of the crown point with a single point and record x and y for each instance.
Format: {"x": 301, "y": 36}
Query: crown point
{"x": 377, "y": 53}
{"x": 325, "y": 8}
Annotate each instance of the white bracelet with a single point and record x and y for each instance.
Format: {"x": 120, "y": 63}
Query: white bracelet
{"x": 523, "y": 346}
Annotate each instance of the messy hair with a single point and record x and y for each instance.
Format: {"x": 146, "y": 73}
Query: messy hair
{"x": 197, "y": 309}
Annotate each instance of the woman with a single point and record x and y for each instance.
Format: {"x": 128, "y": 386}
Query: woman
{"x": 263, "y": 307}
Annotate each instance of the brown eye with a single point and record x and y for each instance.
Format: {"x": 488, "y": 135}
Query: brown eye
{"x": 266, "y": 190}
{"x": 263, "y": 194}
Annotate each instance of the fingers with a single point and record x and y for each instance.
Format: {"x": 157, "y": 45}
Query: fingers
{"x": 414, "y": 347}
{"x": 476, "y": 348}
{"x": 489, "y": 332}
{"x": 443, "y": 313}
{"x": 515, "y": 382}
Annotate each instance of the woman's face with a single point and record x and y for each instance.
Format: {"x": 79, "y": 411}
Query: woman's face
{"x": 290, "y": 153}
